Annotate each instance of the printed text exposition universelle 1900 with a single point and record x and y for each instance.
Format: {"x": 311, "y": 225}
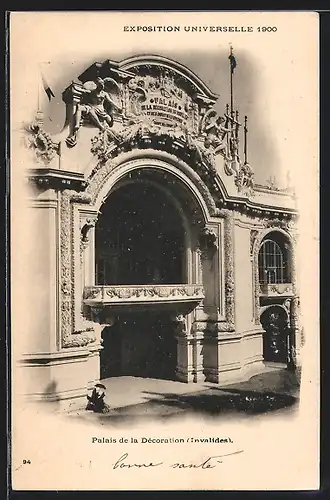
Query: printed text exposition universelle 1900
{"x": 191, "y": 29}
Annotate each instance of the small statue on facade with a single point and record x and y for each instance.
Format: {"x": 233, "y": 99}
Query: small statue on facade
{"x": 245, "y": 178}
{"x": 216, "y": 132}
{"x": 96, "y": 106}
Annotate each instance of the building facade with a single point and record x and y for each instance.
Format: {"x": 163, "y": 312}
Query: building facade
{"x": 157, "y": 253}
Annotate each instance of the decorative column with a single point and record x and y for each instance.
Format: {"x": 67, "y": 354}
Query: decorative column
{"x": 218, "y": 355}
{"x": 198, "y": 354}
{"x": 255, "y": 277}
{"x": 101, "y": 318}
{"x": 185, "y": 350}
{"x": 294, "y": 308}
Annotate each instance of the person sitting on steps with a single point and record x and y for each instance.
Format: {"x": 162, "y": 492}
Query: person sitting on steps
{"x": 96, "y": 401}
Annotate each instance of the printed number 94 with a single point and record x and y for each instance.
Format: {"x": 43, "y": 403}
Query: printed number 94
{"x": 26, "y": 462}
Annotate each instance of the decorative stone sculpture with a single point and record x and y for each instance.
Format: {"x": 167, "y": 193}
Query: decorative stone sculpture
{"x": 45, "y": 148}
{"x": 208, "y": 242}
{"x": 89, "y": 224}
{"x": 245, "y": 179}
{"x": 96, "y": 106}
{"x": 216, "y": 133}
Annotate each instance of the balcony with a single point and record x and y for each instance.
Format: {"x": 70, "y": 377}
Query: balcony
{"x": 181, "y": 298}
{"x": 273, "y": 290}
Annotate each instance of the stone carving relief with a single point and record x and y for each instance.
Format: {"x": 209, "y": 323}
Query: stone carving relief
{"x": 216, "y": 133}
{"x": 44, "y": 147}
{"x": 253, "y": 236}
{"x": 280, "y": 289}
{"x": 132, "y": 292}
{"x": 180, "y": 324}
{"x": 153, "y": 106}
{"x": 229, "y": 269}
{"x": 70, "y": 337}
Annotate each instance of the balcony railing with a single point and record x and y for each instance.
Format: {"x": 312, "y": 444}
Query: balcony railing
{"x": 276, "y": 290}
{"x": 111, "y": 295}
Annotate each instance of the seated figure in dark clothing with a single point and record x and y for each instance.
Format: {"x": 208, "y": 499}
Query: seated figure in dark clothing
{"x": 96, "y": 401}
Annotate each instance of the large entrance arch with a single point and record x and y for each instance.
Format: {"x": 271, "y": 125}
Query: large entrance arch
{"x": 176, "y": 290}
{"x": 146, "y": 240}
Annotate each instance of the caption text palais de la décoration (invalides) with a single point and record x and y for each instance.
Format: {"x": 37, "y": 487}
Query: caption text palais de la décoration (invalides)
{"x": 156, "y": 440}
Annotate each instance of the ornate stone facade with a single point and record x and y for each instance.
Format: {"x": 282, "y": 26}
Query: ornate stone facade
{"x": 153, "y": 117}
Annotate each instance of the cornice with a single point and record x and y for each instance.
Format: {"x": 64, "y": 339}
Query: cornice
{"x": 57, "y": 179}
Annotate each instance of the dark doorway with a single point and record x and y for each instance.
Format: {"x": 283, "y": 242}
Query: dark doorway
{"x": 140, "y": 344}
{"x": 139, "y": 238}
{"x": 274, "y": 321}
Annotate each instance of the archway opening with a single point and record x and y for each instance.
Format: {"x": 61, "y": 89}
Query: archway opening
{"x": 274, "y": 321}
{"x": 140, "y": 239}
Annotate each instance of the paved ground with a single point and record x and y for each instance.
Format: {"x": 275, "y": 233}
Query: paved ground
{"x": 132, "y": 397}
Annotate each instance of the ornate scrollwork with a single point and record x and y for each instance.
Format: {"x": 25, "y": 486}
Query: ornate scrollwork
{"x": 122, "y": 292}
{"x": 229, "y": 268}
{"x": 92, "y": 293}
{"x": 79, "y": 339}
{"x": 277, "y": 223}
{"x": 280, "y": 290}
{"x": 41, "y": 142}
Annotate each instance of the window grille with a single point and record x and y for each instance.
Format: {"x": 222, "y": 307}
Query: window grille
{"x": 273, "y": 266}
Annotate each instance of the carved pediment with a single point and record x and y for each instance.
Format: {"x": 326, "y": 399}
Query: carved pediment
{"x": 141, "y": 98}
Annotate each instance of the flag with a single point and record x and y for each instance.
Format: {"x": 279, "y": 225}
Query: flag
{"x": 233, "y": 62}
{"x": 47, "y": 88}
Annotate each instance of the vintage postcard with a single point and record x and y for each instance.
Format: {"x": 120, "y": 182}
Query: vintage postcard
{"x": 164, "y": 250}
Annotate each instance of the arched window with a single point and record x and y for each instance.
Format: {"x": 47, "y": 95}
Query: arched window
{"x": 273, "y": 262}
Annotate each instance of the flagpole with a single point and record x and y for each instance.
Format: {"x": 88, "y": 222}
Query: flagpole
{"x": 245, "y": 139}
{"x": 39, "y": 113}
{"x": 231, "y": 81}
